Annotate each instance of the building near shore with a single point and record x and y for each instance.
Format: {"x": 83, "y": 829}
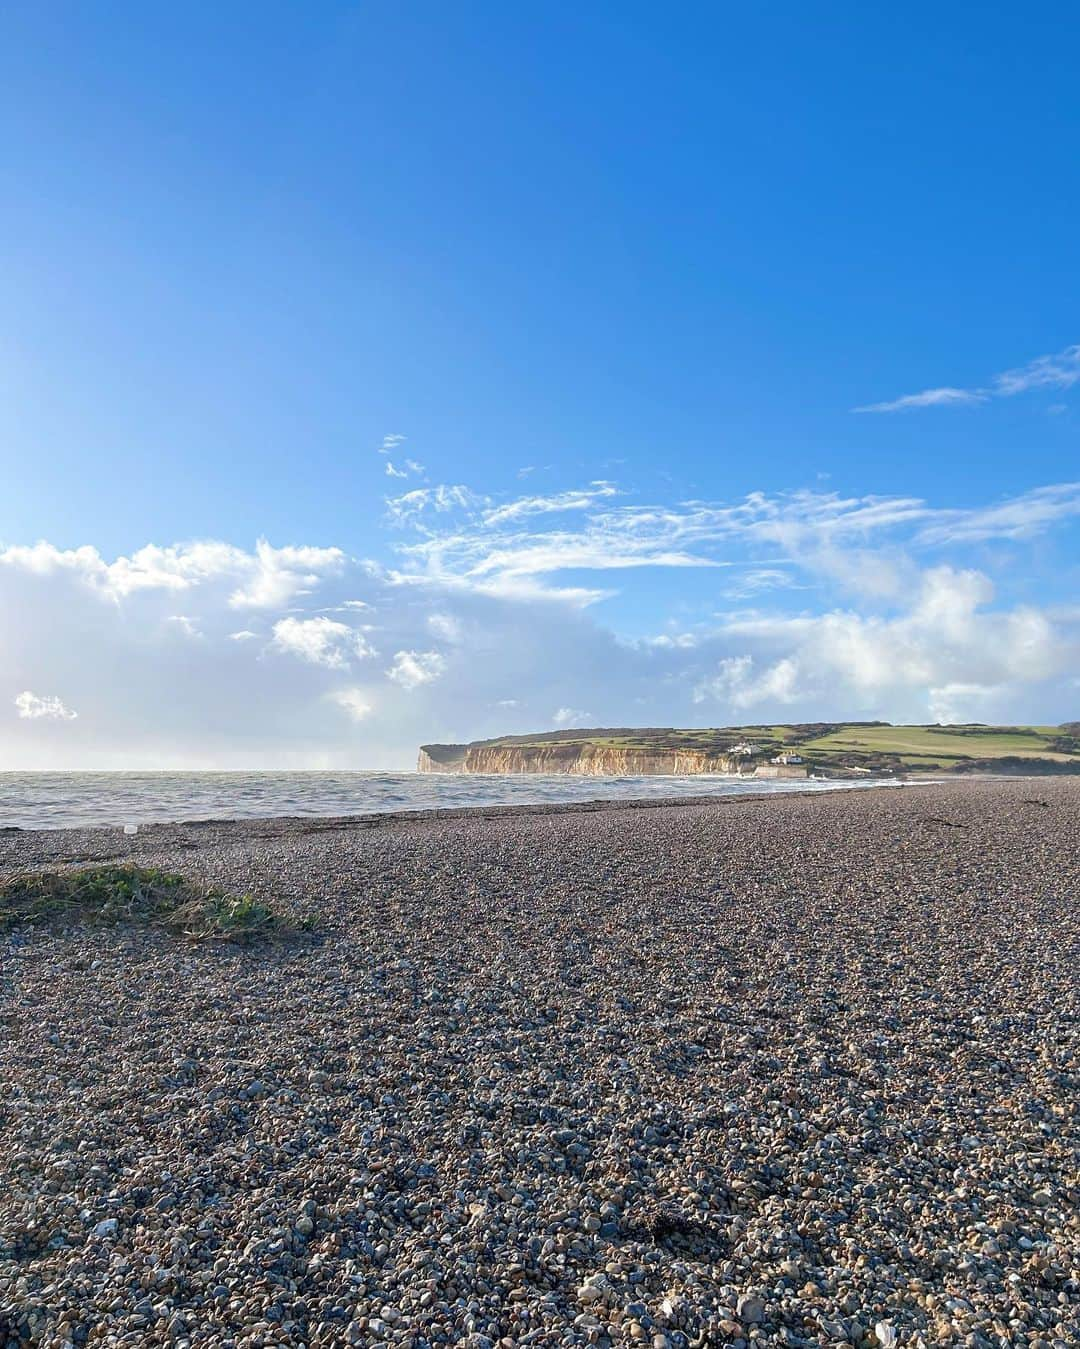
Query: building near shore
{"x": 780, "y": 770}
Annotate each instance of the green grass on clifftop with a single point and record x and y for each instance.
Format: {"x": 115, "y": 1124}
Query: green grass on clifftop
{"x": 944, "y": 746}
{"x": 836, "y": 746}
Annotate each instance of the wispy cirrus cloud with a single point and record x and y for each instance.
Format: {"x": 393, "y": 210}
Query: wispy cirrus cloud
{"x": 513, "y": 549}
{"x": 412, "y": 507}
{"x": 1045, "y": 372}
{"x": 758, "y": 579}
{"x": 1017, "y": 518}
{"x": 579, "y": 499}
{"x": 928, "y": 398}
{"x": 1060, "y": 371}
{"x": 409, "y": 468}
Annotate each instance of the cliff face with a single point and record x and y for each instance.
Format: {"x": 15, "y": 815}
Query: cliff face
{"x": 440, "y": 761}
{"x": 583, "y": 760}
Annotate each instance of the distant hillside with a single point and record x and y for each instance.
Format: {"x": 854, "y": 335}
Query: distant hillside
{"x": 846, "y": 748}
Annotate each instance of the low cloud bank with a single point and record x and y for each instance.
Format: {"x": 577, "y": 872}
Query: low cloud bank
{"x": 485, "y": 617}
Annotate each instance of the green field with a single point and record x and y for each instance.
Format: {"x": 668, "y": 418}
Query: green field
{"x": 851, "y": 746}
{"x": 943, "y": 746}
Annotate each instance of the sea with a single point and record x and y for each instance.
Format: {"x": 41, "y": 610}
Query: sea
{"x": 127, "y": 800}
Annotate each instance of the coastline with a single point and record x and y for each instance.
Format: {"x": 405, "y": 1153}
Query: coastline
{"x": 510, "y": 809}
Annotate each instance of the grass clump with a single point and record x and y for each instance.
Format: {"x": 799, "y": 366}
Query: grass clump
{"x": 110, "y": 895}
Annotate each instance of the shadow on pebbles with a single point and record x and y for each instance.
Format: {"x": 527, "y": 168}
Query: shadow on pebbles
{"x": 800, "y": 1071}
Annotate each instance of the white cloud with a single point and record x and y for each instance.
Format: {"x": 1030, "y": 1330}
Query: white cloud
{"x": 445, "y": 626}
{"x": 780, "y": 683}
{"x": 321, "y": 641}
{"x": 568, "y": 553}
{"x": 731, "y": 676}
{"x": 929, "y": 398}
{"x": 1018, "y": 518}
{"x": 353, "y": 701}
{"x": 151, "y": 568}
{"x": 575, "y": 500}
{"x": 390, "y": 443}
{"x": 413, "y": 668}
{"x": 411, "y": 506}
{"x": 519, "y": 589}
{"x": 953, "y": 704}
{"x": 268, "y": 577}
{"x": 737, "y": 683}
{"x": 185, "y": 624}
{"x": 948, "y": 637}
{"x": 480, "y": 614}
{"x": 492, "y": 551}
{"x": 34, "y": 707}
{"x": 1045, "y": 372}
{"x": 411, "y": 467}
{"x": 675, "y": 641}
{"x": 571, "y": 716}
{"x": 502, "y": 551}
{"x": 758, "y": 579}
{"x": 280, "y": 575}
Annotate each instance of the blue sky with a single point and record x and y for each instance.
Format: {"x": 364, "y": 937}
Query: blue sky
{"x": 613, "y": 280}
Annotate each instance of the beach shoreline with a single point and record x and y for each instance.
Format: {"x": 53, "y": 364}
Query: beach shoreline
{"x": 636, "y": 1073}
{"x": 494, "y": 810}
{"x": 87, "y": 801}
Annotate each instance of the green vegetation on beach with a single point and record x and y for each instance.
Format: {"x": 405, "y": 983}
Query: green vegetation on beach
{"x": 128, "y": 894}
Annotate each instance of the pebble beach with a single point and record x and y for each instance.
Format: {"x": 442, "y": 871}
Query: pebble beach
{"x": 801, "y": 1071}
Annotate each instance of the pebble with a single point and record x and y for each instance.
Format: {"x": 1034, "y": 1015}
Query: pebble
{"x": 798, "y": 1071}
